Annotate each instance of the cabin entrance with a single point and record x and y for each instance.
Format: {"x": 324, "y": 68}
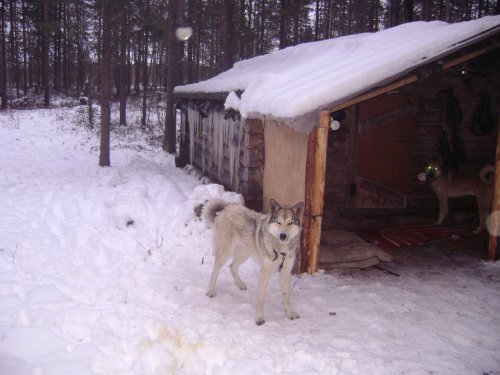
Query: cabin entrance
{"x": 383, "y": 152}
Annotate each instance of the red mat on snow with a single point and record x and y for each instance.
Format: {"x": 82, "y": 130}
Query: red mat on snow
{"x": 411, "y": 235}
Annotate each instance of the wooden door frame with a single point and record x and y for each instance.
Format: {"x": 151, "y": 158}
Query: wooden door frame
{"x": 495, "y": 204}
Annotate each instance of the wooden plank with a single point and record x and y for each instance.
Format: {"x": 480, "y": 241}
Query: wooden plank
{"x": 318, "y": 191}
{"x": 470, "y": 56}
{"x": 382, "y": 90}
{"x": 351, "y": 161}
{"x": 285, "y": 153}
{"x": 495, "y": 205}
{"x": 285, "y": 171}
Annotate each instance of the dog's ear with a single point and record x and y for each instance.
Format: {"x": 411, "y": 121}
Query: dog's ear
{"x": 298, "y": 208}
{"x": 273, "y": 206}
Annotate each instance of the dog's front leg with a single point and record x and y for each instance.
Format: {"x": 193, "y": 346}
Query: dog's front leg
{"x": 443, "y": 208}
{"x": 285, "y": 283}
{"x": 264, "y": 277}
{"x": 483, "y": 204}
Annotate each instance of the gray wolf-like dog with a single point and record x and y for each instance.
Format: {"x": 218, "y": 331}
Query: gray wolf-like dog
{"x": 449, "y": 184}
{"x": 271, "y": 240}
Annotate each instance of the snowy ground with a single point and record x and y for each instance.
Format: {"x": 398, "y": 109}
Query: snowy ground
{"x": 104, "y": 271}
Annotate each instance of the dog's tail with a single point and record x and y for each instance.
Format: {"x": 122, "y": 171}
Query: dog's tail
{"x": 212, "y": 209}
{"x": 487, "y": 174}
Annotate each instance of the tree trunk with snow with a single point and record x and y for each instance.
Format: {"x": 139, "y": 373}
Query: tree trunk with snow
{"x": 123, "y": 64}
{"x": 104, "y": 156}
{"x": 145, "y": 78}
{"x": 45, "y": 52}
{"x": 176, "y": 19}
{"x": 3, "y": 56}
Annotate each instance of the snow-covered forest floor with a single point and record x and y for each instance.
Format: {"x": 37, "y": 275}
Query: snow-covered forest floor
{"x": 104, "y": 271}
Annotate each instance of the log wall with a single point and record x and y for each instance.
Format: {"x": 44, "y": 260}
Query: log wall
{"x": 227, "y": 149}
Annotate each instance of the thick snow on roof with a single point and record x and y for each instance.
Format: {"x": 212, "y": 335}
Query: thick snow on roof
{"x": 297, "y": 80}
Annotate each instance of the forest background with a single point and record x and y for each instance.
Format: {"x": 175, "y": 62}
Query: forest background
{"x": 117, "y": 50}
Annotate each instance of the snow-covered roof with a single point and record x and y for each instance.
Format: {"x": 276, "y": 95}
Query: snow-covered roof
{"x": 295, "y": 81}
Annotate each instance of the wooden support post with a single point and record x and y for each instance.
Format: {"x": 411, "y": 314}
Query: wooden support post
{"x": 303, "y": 261}
{"x": 495, "y": 205}
{"x": 317, "y": 191}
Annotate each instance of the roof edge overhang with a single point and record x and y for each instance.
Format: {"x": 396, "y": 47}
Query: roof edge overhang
{"x": 219, "y": 96}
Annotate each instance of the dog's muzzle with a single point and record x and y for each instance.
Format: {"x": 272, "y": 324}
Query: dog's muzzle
{"x": 283, "y": 236}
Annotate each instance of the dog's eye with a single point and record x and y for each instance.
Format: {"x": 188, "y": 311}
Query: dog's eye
{"x": 290, "y": 222}
{"x": 278, "y": 222}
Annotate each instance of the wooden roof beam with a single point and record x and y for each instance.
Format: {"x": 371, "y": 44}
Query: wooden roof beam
{"x": 470, "y": 56}
{"x": 381, "y": 90}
